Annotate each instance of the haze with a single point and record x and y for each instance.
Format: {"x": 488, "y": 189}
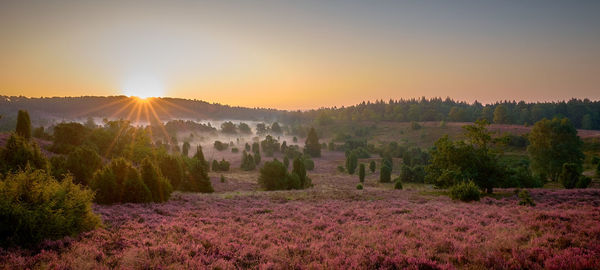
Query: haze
{"x": 302, "y": 54}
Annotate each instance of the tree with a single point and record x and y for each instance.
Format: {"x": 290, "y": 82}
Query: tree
{"x": 185, "y": 149}
{"x": 248, "y": 162}
{"x": 569, "y": 175}
{"x": 312, "y": 145}
{"x": 158, "y": 185}
{"x": 501, "y": 115}
{"x": 171, "y": 167}
{"x": 351, "y": 162}
{"x": 83, "y": 163}
{"x": 244, "y": 128}
{"x": 228, "y": 127}
{"x": 372, "y": 166}
{"x": 385, "y": 176}
{"x": 299, "y": 169}
{"x": 361, "y": 172}
{"x": 286, "y": 162}
{"x": 23, "y": 125}
{"x": 19, "y": 153}
{"x": 552, "y": 144}
{"x": 275, "y": 128}
{"x": 197, "y": 180}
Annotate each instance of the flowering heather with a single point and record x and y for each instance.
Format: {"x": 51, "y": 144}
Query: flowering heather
{"x": 372, "y": 228}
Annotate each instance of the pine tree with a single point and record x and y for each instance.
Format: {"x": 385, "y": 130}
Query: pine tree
{"x": 312, "y": 145}
{"x": 23, "y": 125}
{"x": 361, "y": 172}
{"x": 372, "y": 166}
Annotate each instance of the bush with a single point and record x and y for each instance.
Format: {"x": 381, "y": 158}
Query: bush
{"x": 171, "y": 167}
{"x": 569, "y": 175}
{"x": 299, "y": 169}
{"x": 359, "y": 186}
{"x": 197, "y": 180}
{"x": 23, "y": 128}
{"x": 595, "y": 160}
{"x": 286, "y": 162}
{"x": 309, "y": 163}
{"x": 83, "y": 162}
{"x": 158, "y": 185}
{"x": 465, "y": 191}
{"x": 235, "y": 150}
{"x": 415, "y": 126}
{"x": 351, "y": 162}
{"x": 119, "y": 182}
{"x": 222, "y": 178}
{"x": 372, "y": 166}
{"x": 341, "y": 169}
{"x": 312, "y": 146}
{"x": 398, "y": 184}
{"x": 34, "y": 206}
{"x": 361, "y": 173}
{"x": 274, "y": 176}
{"x": 525, "y": 198}
{"x": 583, "y": 182}
{"x": 18, "y": 154}
{"x": 385, "y": 176}
{"x": 248, "y": 163}
{"x": 220, "y": 146}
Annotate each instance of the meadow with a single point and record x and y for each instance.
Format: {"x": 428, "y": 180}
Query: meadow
{"x": 332, "y": 225}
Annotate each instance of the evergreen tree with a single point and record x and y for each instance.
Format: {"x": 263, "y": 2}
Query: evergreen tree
{"x": 300, "y": 170}
{"x": 351, "y": 162}
{"x": 312, "y": 145}
{"x": 158, "y": 185}
{"x": 185, "y": 149}
{"x": 23, "y": 125}
{"x": 198, "y": 180}
{"x": 361, "y": 172}
{"x": 372, "y": 166}
{"x": 83, "y": 163}
{"x": 385, "y": 175}
{"x": 501, "y": 115}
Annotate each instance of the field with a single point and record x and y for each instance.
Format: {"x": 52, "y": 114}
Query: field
{"x": 332, "y": 226}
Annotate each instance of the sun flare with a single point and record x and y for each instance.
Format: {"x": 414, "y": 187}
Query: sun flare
{"x": 143, "y": 87}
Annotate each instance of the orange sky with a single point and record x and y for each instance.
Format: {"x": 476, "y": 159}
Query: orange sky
{"x": 301, "y": 55}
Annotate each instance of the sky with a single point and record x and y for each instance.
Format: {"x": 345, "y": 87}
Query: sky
{"x": 302, "y": 54}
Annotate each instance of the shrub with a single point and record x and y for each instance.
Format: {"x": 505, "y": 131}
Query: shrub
{"x": 34, "y": 206}
{"x": 398, "y": 184}
{"x": 185, "y": 149}
{"x": 18, "y": 154}
{"x": 359, "y": 186}
{"x": 351, "y": 162}
{"x": 595, "y": 160}
{"x": 583, "y": 182}
{"x": 525, "y": 198}
{"x": 58, "y": 165}
{"x": 197, "y": 180}
{"x": 158, "y": 185}
{"x": 119, "y": 182}
{"x": 465, "y": 191}
{"x": 274, "y": 176}
{"x": 171, "y": 167}
{"x": 309, "y": 163}
{"x": 83, "y": 162}
{"x": 361, "y": 172}
{"x": 220, "y": 146}
{"x": 341, "y": 168}
{"x": 23, "y": 128}
{"x": 235, "y": 150}
{"x": 220, "y": 166}
{"x": 299, "y": 169}
{"x": 286, "y": 162}
{"x": 385, "y": 176}
{"x": 569, "y": 175}
{"x": 222, "y": 178}
{"x": 248, "y": 162}
{"x": 372, "y": 166}
{"x": 415, "y": 126}
{"x": 312, "y": 146}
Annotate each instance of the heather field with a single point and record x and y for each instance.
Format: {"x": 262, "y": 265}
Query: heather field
{"x": 333, "y": 226}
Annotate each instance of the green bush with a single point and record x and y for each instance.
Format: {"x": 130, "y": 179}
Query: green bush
{"x": 398, "y": 184}
{"x": 83, "y": 162}
{"x": 34, "y": 206}
{"x": 361, "y": 173}
{"x": 18, "y": 153}
{"x": 351, "y": 162}
{"x": 197, "y": 180}
{"x": 274, "y": 176}
{"x": 341, "y": 169}
{"x": 119, "y": 182}
{"x": 220, "y": 146}
{"x": 359, "y": 186}
{"x": 569, "y": 175}
{"x": 385, "y": 176}
{"x": 525, "y": 198}
{"x": 158, "y": 185}
{"x": 248, "y": 163}
{"x": 372, "y": 166}
{"x": 23, "y": 128}
{"x": 222, "y": 178}
{"x": 309, "y": 164}
{"x": 171, "y": 167}
{"x": 465, "y": 191}
{"x": 583, "y": 182}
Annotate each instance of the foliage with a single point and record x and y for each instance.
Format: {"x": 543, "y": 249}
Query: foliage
{"x": 69, "y": 135}
{"x": 172, "y": 168}
{"x": 228, "y": 127}
{"x": 158, "y": 185}
{"x": 274, "y": 176}
{"x": 222, "y": 178}
{"x": 185, "y": 149}
{"x": 23, "y": 128}
{"x": 385, "y": 175}
{"x": 415, "y": 126}
{"x": 18, "y": 153}
{"x": 269, "y": 145}
{"x": 501, "y": 115}
{"x": 312, "y": 146}
{"x": 351, "y": 162}
{"x": 372, "y": 166}
{"x": 341, "y": 169}
{"x": 359, "y": 186}
{"x": 276, "y": 128}
{"x": 299, "y": 168}
{"x": 414, "y": 174}
{"x": 552, "y": 144}
{"x": 197, "y": 179}
{"x": 83, "y": 162}
{"x": 248, "y": 162}
{"x": 525, "y": 198}
{"x": 361, "y": 172}
{"x": 286, "y": 162}
{"x": 119, "y": 182}
{"x": 569, "y": 175}
{"x": 220, "y": 166}
{"x": 244, "y": 128}
{"x": 398, "y": 184}
{"x": 465, "y": 191}
{"x": 34, "y": 206}
{"x": 220, "y": 146}
{"x": 583, "y": 182}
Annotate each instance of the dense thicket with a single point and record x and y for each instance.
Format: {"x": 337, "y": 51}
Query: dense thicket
{"x": 34, "y": 206}
{"x": 275, "y": 176}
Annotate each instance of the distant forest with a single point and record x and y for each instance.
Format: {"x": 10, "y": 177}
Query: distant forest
{"x": 585, "y": 114}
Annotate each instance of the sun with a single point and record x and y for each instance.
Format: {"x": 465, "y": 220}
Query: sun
{"x": 143, "y": 88}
